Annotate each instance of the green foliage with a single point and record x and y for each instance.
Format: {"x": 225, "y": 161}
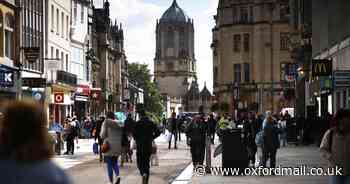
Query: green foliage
{"x": 224, "y": 107}
{"x": 153, "y": 100}
{"x": 215, "y": 107}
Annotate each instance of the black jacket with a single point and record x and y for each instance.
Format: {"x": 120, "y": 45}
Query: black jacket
{"x": 197, "y": 130}
{"x": 144, "y": 133}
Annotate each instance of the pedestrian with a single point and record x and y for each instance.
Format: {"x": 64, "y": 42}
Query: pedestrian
{"x": 282, "y": 125}
{"x": 270, "y": 142}
{"x": 250, "y": 128}
{"x": 335, "y": 147}
{"x": 126, "y": 138}
{"x": 25, "y": 151}
{"x": 173, "y": 129}
{"x": 71, "y": 133}
{"x": 145, "y": 132}
{"x": 212, "y": 127}
{"x": 58, "y": 128}
{"x": 97, "y": 136}
{"x": 111, "y": 133}
{"x": 196, "y": 132}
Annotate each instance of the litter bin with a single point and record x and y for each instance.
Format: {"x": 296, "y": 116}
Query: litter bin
{"x": 292, "y": 132}
{"x": 234, "y": 151}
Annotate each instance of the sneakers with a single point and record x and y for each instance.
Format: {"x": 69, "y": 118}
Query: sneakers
{"x": 118, "y": 181}
{"x": 145, "y": 179}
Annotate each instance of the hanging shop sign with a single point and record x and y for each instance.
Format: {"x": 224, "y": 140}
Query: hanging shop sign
{"x": 31, "y": 53}
{"x": 34, "y": 82}
{"x": 321, "y": 67}
{"x": 59, "y": 97}
{"x": 6, "y": 76}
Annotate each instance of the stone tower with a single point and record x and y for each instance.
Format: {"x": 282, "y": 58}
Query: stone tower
{"x": 174, "y": 63}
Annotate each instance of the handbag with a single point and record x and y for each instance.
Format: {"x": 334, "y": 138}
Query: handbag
{"x": 105, "y": 147}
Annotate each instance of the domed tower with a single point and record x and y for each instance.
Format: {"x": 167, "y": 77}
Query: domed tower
{"x": 174, "y": 63}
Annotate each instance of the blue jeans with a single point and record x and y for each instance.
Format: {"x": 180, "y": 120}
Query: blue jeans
{"x": 339, "y": 180}
{"x": 112, "y": 164}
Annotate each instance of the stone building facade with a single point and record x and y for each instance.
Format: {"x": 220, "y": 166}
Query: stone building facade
{"x": 108, "y": 46}
{"x": 174, "y": 63}
{"x": 250, "y": 53}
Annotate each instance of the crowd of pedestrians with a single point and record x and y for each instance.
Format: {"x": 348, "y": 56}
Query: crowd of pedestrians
{"x": 25, "y": 147}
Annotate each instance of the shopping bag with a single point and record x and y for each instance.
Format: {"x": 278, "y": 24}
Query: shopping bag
{"x": 95, "y": 148}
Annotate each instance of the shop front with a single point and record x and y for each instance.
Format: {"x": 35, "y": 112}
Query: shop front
{"x": 7, "y": 84}
{"x": 82, "y": 101}
{"x": 61, "y": 103}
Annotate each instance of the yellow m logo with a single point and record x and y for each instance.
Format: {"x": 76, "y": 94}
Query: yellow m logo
{"x": 320, "y": 68}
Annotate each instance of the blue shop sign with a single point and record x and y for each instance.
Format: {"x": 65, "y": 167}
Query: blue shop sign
{"x": 6, "y": 76}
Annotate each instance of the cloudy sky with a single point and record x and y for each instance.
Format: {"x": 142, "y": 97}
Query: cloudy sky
{"x": 139, "y": 22}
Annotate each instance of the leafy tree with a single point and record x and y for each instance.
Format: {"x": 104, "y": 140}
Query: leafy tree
{"x": 140, "y": 74}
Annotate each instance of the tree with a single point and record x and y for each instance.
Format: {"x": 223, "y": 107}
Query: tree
{"x": 140, "y": 74}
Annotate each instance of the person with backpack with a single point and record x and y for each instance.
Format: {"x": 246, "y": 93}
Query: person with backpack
{"x": 144, "y": 132}
{"x": 335, "y": 147}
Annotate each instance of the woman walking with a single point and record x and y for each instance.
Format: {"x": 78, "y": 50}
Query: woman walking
{"x": 111, "y": 133}
{"x": 25, "y": 150}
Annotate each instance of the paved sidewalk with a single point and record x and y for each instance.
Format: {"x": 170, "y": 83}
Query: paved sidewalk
{"x": 286, "y": 157}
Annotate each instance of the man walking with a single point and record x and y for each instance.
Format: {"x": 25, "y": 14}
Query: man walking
{"x": 250, "y": 127}
{"x": 145, "y": 132}
{"x": 196, "y": 132}
{"x": 212, "y": 128}
{"x": 271, "y": 142}
{"x": 173, "y": 129}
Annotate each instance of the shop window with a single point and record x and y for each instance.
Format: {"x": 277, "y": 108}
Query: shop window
{"x": 244, "y": 14}
{"x": 9, "y": 28}
{"x": 246, "y": 41}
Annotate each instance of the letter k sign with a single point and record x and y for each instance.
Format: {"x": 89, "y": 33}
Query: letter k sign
{"x": 8, "y": 77}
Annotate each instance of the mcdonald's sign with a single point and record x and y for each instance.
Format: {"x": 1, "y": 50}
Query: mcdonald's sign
{"x": 321, "y": 67}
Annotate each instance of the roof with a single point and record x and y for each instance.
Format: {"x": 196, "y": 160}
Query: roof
{"x": 174, "y": 13}
{"x": 205, "y": 92}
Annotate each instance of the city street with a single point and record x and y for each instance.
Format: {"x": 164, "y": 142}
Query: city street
{"x": 175, "y": 167}
{"x": 171, "y": 164}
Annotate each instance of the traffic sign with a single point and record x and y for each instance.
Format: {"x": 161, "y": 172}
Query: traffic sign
{"x": 59, "y": 97}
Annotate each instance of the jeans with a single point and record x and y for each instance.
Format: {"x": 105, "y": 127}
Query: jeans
{"x": 283, "y": 138}
{"x": 175, "y": 139}
{"x": 112, "y": 164}
{"x": 143, "y": 162}
{"x": 70, "y": 146}
{"x": 339, "y": 180}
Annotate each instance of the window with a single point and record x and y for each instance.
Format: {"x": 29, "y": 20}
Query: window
{"x": 237, "y": 43}
{"x": 235, "y": 14}
{"x": 62, "y": 26}
{"x": 170, "y": 37}
{"x": 246, "y": 72}
{"x": 58, "y": 21}
{"x": 9, "y": 28}
{"x": 244, "y": 14}
{"x": 52, "y": 18}
{"x": 182, "y": 38}
{"x": 62, "y": 59}
{"x": 246, "y": 42}
{"x": 284, "y": 41}
{"x": 67, "y": 27}
{"x": 57, "y": 54}
{"x": 170, "y": 66}
{"x": 251, "y": 18}
{"x": 52, "y": 52}
{"x": 284, "y": 11}
{"x": 75, "y": 12}
{"x": 82, "y": 14}
{"x": 67, "y": 66}
{"x": 237, "y": 72}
